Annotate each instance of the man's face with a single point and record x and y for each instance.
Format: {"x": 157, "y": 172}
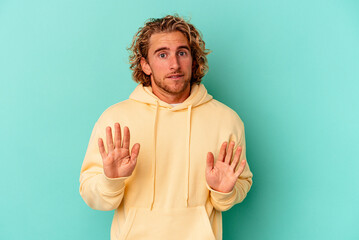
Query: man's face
{"x": 169, "y": 63}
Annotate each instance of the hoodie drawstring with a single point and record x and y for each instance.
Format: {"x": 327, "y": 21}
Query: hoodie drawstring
{"x": 188, "y": 151}
{"x": 189, "y": 111}
{"x": 144, "y": 95}
{"x": 154, "y": 157}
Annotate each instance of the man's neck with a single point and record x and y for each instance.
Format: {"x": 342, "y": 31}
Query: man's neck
{"x": 172, "y": 98}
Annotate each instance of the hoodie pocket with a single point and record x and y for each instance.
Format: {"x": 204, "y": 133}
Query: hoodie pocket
{"x": 181, "y": 224}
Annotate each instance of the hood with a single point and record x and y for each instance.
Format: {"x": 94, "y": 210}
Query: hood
{"x": 197, "y": 97}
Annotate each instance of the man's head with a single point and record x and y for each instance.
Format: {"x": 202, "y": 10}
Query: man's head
{"x": 169, "y": 64}
{"x": 168, "y": 50}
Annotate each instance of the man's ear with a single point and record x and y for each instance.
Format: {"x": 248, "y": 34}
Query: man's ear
{"x": 145, "y": 66}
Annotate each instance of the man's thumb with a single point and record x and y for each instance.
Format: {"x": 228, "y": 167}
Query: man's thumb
{"x": 210, "y": 162}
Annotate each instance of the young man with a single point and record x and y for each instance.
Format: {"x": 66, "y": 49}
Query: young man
{"x": 167, "y": 184}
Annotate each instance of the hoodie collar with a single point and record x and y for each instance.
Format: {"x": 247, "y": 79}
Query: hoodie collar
{"x": 197, "y": 97}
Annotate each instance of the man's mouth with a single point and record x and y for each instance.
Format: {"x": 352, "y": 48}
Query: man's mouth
{"x": 175, "y": 76}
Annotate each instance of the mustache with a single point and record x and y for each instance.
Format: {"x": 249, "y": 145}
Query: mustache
{"x": 174, "y": 73}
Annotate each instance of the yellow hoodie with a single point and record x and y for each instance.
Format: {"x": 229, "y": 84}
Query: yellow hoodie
{"x": 167, "y": 196}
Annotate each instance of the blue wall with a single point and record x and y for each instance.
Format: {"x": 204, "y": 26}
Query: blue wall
{"x": 289, "y": 68}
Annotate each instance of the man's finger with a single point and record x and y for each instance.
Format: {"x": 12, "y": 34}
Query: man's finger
{"x": 117, "y": 135}
{"x": 210, "y": 162}
{"x": 229, "y": 153}
{"x": 101, "y": 148}
{"x": 126, "y": 138}
{"x": 134, "y": 151}
{"x": 237, "y": 155}
{"x": 241, "y": 168}
{"x": 109, "y": 139}
{"x": 222, "y": 152}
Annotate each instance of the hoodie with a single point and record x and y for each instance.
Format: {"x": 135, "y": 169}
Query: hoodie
{"x": 167, "y": 196}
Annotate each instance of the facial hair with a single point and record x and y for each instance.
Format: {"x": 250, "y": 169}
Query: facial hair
{"x": 167, "y": 88}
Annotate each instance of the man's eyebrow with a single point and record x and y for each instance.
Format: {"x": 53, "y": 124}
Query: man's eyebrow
{"x": 185, "y": 47}
{"x": 160, "y": 49}
{"x": 166, "y": 48}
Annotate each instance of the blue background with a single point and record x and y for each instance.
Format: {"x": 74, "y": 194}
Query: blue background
{"x": 289, "y": 68}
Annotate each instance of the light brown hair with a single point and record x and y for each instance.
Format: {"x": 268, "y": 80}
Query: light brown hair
{"x": 140, "y": 45}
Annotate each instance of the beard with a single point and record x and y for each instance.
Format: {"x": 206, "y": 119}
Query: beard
{"x": 172, "y": 88}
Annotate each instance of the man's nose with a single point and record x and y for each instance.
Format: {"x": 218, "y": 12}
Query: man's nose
{"x": 174, "y": 63}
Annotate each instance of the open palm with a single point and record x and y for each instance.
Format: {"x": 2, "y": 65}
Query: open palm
{"x": 222, "y": 175}
{"x": 118, "y": 161}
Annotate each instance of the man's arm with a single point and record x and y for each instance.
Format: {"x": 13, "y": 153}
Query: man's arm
{"x": 230, "y": 178}
{"x": 103, "y": 173}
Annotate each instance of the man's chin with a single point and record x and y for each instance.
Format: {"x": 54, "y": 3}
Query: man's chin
{"x": 171, "y": 86}
{"x": 177, "y": 88}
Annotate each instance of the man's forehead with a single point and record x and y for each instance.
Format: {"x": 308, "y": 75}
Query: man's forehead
{"x": 167, "y": 39}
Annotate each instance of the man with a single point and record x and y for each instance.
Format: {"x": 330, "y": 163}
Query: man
{"x": 167, "y": 185}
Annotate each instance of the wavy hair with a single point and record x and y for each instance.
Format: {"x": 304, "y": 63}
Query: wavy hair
{"x": 140, "y": 45}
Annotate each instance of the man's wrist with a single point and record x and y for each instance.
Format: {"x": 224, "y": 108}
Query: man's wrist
{"x": 112, "y": 185}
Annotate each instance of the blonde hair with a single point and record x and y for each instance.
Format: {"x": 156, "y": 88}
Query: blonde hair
{"x": 140, "y": 45}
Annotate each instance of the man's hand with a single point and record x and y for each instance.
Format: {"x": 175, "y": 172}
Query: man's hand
{"x": 118, "y": 162}
{"x": 223, "y": 175}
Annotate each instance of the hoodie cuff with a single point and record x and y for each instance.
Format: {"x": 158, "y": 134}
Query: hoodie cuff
{"x": 221, "y": 197}
{"x": 112, "y": 186}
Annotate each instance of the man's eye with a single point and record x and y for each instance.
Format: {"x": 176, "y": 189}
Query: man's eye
{"x": 162, "y": 55}
{"x": 182, "y": 53}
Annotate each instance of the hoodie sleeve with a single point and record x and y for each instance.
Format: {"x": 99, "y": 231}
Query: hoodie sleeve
{"x": 97, "y": 190}
{"x": 224, "y": 201}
